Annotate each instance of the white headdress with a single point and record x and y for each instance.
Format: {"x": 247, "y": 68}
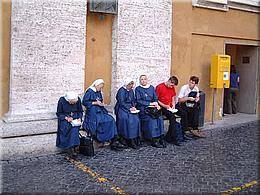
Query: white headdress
{"x": 143, "y": 86}
{"x": 71, "y": 95}
{"x": 95, "y": 83}
{"x": 127, "y": 81}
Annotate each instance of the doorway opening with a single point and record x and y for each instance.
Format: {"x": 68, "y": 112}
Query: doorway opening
{"x": 246, "y": 62}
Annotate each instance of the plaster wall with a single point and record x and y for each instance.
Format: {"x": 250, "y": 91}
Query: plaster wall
{"x": 233, "y": 23}
{"x": 199, "y": 33}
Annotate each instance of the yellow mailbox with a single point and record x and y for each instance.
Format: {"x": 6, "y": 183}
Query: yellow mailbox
{"x": 220, "y": 71}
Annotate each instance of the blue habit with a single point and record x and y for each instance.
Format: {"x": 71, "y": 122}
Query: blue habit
{"x": 128, "y": 124}
{"x": 98, "y": 122}
{"x": 68, "y": 136}
{"x": 150, "y": 127}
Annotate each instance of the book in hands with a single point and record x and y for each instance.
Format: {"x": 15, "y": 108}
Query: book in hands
{"x": 173, "y": 110}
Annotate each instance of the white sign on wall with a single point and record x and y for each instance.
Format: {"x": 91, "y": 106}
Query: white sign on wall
{"x": 225, "y": 76}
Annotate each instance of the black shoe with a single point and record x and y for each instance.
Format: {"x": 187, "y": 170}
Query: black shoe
{"x": 115, "y": 148}
{"x": 138, "y": 142}
{"x": 123, "y": 141}
{"x": 71, "y": 153}
{"x": 76, "y": 149}
{"x": 117, "y": 144}
{"x": 162, "y": 142}
{"x": 75, "y": 155}
{"x": 156, "y": 144}
{"x": 168, "y": 139}
{"x": 121, "y": 145}
{"x": 131, "y": 144}
{"x": 189, "y": 135}
{"x": 186, "y": 138}
{"x": 177, "y": 143}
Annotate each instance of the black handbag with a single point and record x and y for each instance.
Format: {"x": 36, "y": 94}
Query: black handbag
{"x": 153, "y": 112}
{"x": 86, "y": 146}
{"x": 191, "y": 104}
{"x": 193, "y": 94}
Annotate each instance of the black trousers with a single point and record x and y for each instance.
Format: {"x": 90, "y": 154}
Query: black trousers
{"x": 230, "y": 101}
{"x": 189, "y": 116}
{"x": 171, "y": 133}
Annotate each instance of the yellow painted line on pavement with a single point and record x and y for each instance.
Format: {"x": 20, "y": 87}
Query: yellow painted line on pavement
{"x": 96, "y": 176}
{"x": 242, "y": 187}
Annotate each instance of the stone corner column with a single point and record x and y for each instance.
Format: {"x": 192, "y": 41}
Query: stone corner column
{"x": 47, "y": 59}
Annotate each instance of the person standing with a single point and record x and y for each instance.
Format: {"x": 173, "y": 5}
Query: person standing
{"x": 230, "y": 94}
{"x": 69, "y": 113}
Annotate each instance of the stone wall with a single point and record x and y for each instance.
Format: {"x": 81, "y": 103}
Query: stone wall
{"x": 47, "y": 59}
{"x": 47, "y": 55}
{"x": 142, "y": 41}
{"x": 24, "y": 147}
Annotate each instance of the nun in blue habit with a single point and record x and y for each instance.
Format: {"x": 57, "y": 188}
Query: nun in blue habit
{"x": 98, "y": 122}
{"x": 127, "y": 119}
{"x": 69, "y": 113}
{"x": 152, "y": 129}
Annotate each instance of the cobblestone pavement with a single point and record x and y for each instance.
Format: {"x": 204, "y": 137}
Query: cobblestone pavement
{"x": 227, "y": 158}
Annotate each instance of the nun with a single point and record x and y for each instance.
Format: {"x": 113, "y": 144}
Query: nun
{"x": 127, "y": 119}
{"x": 69, "y": 113}
{"x": 152, "y": 128}
{"x": 98, "y": 122}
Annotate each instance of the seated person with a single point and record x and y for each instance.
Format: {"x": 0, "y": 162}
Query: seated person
{"x": 151, "y": 128}
{"x": 127, "y": 122}
{"x": 98, "y": 122}
{"x": 69, "y": 113}
{"x": 188, "y": 105}
{"x": 166, "y": 98}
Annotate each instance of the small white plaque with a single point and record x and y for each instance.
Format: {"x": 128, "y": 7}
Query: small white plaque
{"x": 225, "y": 76}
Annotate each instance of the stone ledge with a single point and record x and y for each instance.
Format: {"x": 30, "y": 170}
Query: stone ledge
{"x": 27, "y": 128}
{"x": 16, "y": 118}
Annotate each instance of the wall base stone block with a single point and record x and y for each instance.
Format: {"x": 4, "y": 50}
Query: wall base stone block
{"x": 29, "y": 146}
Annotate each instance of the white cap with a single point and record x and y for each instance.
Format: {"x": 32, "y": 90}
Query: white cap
{"x": 71, "y": 96}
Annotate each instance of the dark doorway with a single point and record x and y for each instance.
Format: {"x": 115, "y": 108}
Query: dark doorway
{"x": 245, "y": 59}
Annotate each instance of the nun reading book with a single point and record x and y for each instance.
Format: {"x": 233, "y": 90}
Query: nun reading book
{"x": 127, "y": 118}
{"x": 152, "y": 128}
{"x": 69, "y": 113}
{"x": 98, "y": 122}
